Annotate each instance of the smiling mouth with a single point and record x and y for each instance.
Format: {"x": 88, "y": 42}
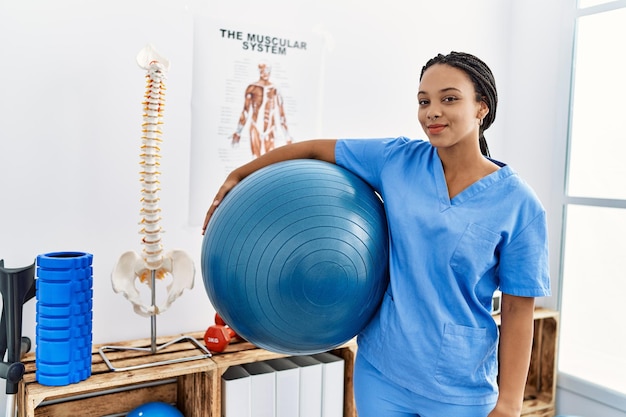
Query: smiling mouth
{"x": 436, "y": 128}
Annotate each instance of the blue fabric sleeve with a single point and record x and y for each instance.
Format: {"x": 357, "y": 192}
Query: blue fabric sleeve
{"x": 524, "y": 263}
{"x": 364, "y": 157}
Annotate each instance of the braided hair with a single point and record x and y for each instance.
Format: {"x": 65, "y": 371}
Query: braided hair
{"x": 484, "y": 84}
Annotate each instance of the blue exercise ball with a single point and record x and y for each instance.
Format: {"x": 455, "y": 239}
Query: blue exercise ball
{"x": 295, "y": 258}
{"x": 155, "y": 409}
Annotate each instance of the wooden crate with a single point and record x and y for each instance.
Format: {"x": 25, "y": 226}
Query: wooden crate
{"x": 545, "y": 412}
{"x": 540, "y": 392}
{"x": 194, "y": 386}
{"x": 186, "y": 384}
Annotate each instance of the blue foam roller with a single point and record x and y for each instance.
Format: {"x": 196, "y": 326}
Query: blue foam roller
{"x": 64, "y": 317}
{"x": 295, "y": 257}
{"x": 55, "y": 292}
{"x": 64, "y": 261}
{"x": 53, "y": 334}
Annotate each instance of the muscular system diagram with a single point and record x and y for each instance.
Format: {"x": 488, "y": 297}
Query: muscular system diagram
{"x": 264, "y": 112}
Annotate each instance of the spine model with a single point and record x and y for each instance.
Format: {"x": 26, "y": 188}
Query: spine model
{"x": 150, "y": 161}
{"x": 153, "y": 263}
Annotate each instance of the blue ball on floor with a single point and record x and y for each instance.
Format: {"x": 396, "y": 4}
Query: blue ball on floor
{"x": 295, "y": 257}
{"x": 155, "y": 409}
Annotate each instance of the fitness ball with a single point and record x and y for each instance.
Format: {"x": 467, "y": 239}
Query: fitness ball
{"x": 295, "y": 258}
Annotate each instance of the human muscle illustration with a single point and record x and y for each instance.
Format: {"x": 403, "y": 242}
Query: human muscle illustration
{"x": 264, "y": 111}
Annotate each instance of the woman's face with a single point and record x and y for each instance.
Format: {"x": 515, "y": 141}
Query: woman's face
{"x": 448, "y": 110}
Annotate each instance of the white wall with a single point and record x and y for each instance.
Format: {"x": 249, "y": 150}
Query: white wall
{"x": 70, "y": 114}
{"x": 537, "y": 107}
{"x": 70, "y": 129}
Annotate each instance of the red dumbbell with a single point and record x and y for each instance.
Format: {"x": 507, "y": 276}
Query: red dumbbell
{"x": 219, "y": 320}
{"x": 218, "y": 336}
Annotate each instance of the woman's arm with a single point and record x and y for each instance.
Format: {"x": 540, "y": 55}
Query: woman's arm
{"x": 320, "y": 149}
{"x": 516, "y": 340}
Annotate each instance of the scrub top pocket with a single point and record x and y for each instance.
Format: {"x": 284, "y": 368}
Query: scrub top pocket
{"x": 465, "y": 358}
{"x": 475, "y": 252}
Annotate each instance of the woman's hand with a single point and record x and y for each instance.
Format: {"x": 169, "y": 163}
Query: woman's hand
{"x": 228, "y": 185}
{"x": 320, "y": 149}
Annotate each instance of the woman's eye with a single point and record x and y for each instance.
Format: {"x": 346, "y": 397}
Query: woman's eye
{"x": 449, "y": 99}
{"x": 422, "y": 102}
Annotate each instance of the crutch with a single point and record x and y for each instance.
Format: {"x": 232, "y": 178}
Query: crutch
{"x": 17, "y": 286}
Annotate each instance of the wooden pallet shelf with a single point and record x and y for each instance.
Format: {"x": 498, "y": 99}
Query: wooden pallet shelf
{"x": 100, "y": 394}
{"x": 195, "y": 386}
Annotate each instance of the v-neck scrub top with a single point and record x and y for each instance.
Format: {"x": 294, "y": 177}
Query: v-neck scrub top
{"x": 434, "y": 333}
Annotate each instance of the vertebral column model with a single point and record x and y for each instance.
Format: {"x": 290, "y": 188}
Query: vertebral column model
{"x": 152, "y": 263}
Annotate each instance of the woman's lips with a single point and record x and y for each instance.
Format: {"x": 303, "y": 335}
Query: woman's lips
{"x": 436, "y": 128}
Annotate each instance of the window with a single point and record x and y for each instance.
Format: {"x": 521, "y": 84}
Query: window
{"x": 593, "y": 299}
{"x": 590, "y": 3}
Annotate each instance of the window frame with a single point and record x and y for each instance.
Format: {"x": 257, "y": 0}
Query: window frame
{"x": 567, "y": 381}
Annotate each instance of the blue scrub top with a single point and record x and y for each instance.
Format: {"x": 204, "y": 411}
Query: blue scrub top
{"x": 434, "y": 333}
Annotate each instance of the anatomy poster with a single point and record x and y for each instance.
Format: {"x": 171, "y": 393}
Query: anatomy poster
{"x": 255, "y": 88}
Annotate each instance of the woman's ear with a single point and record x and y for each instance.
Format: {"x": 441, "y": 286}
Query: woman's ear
{"x": 483, "y": 110}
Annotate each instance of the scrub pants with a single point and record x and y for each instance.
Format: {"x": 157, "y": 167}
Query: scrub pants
{"x": 376, "y": 396}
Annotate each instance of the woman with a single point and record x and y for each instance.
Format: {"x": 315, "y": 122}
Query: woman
{"x": 461, "y": 225}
